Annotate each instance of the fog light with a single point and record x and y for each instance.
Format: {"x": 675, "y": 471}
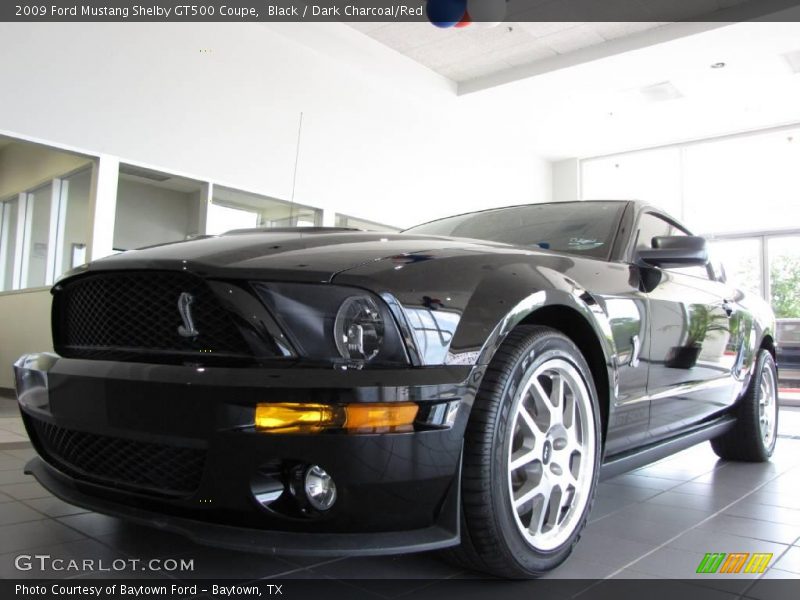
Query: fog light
{"x": 319, "y": 488}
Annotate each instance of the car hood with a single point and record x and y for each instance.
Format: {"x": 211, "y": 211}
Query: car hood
{"x": 306, "y": 254}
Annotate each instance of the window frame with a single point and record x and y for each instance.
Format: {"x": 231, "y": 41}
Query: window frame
{"x": 711, "y": 274}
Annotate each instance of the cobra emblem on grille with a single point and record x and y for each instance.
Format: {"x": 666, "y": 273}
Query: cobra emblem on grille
{"x": 187, "y": 330}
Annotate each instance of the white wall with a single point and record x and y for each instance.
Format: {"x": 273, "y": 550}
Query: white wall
{"x": 24, "y": 328}
{"x": 566, "y": 180}
{"x": 383, "y": 138}
{"x": 23, "y": 166}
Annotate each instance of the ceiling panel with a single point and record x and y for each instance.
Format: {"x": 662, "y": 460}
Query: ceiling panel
{"x": 529, "y": 35}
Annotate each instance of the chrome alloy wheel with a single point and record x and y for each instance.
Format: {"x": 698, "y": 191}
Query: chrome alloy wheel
{"x": 551, "y": 456}
{"x": 767, "y": 406}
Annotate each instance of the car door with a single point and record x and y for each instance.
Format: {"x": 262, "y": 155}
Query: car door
{"x": 691, "y": 352}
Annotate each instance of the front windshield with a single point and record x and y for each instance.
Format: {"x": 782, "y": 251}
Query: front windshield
{"x": 585, "y": 228}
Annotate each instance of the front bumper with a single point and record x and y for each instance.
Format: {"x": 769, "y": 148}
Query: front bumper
{"x": 397, "y": 492}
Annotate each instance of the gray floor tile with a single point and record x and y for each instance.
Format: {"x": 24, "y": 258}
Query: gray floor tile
{"x": 17, "y": 512}
{"x": 716, "y": 541}
{"x": 774, "y": 573}
{"x": 35, "y": 534}
{"x": 145, "y": 542}
{"x": 670, "y": 563}
{"x": 763, "y": 512}
{"x": 626, "y": 493}
{"x": 14, "y": 476}
{"x": 581, "y": 569}
{"x": 25, "y": 454}
{"x": 788, "y": 483}
{"x": 306, "y": 562}
{"x": 614, "y": 551}
{"x": 25, "y": 491}
{"x": 650, "y": 532}
{"x": 790, "y": 561}
{"x": 224, "y": 564}
{"x": 635, "y": 480}
{"x": 705, "y": 489}
{"x": 92, "y": 524}
{"x": 752, "y": 528}
{"x": 680, "y": 517}
{"x": 54, "y": 507}
{"x": 10, "y": 463}
{"x": 632, "y": 574}
{"x": 701, "y": 502}
{"x": 674, "y": 473}
{"x": 775, "y": 499}
{"x": 603, "y": 507}
{"x": 737, "y": 477}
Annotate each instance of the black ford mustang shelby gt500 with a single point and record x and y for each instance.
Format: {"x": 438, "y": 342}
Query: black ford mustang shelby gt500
{"x": 459, "y": 385}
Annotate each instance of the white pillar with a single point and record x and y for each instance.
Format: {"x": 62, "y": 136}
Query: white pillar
{"x": 567, "y": 180}
{"x": 103, "y": 206}
{"x": 328, "y": 217}
{"x": 204, "y": 202}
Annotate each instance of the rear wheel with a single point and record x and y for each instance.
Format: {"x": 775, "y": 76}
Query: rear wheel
{"x": 756, "y": 431}
{"x": 531, "y": 457}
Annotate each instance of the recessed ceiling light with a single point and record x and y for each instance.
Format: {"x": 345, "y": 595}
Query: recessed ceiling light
{"x": 718, "y": 65}
{"x": 660, "y": 92}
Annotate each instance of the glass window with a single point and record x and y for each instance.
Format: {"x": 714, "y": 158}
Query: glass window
{"x": 784, "y": 276}
{"x": 8, "y": 242}
{"x": 586, "y": 228}
{"x": 788, "y": 332}
{"x": 651, "y": 226}
{"x": 37, "y": 237}
{"x": 234, "y": 209}
{"x": 355, "y": 223}
{"x": 653, "y": 176}
{"x": 745, "y": 183}
{"x": 155, "y": 208}
{"x": 226, "y": 218}
{"x": 742, "y": 261}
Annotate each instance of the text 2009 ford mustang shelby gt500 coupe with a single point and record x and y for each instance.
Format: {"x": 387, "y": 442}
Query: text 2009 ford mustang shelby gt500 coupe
{"x": 459, "y": 385}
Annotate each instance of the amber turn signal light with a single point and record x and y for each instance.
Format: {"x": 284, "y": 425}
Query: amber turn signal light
{"x": 285, "y": 417}
{"x": 394, "y": 416}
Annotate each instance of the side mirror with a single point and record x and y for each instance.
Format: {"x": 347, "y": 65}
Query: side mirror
{"x": 674, "y": 252}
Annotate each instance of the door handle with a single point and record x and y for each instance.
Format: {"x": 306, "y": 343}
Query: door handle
{"x": 727, "y": 307}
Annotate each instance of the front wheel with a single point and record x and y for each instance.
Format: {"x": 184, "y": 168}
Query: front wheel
{"x": 531, "y": 456}
{"x": 756, "y": 431}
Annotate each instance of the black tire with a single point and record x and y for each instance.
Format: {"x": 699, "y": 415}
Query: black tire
{"x": 491, "y": 541}
{"x": 746, "y": 441}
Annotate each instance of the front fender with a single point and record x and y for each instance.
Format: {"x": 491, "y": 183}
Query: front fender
{"x": 462, "y": 303}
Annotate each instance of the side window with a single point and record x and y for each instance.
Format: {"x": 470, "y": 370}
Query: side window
{"x": 650, "y": 226}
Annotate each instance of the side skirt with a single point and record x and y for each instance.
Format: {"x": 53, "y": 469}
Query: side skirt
{"x": 633, "y": 459}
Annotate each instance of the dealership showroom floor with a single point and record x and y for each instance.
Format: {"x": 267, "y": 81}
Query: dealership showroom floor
{"x": 144, "y": 144}
{"x": 656, "y": 522}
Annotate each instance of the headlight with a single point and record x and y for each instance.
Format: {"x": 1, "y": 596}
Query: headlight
{"x": 358, "y": 328}
{"x": 335, "y": 323}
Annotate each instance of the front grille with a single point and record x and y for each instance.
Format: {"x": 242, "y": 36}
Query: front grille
{"x": 141, "y": 466}
{"x": 134, "y": 315}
